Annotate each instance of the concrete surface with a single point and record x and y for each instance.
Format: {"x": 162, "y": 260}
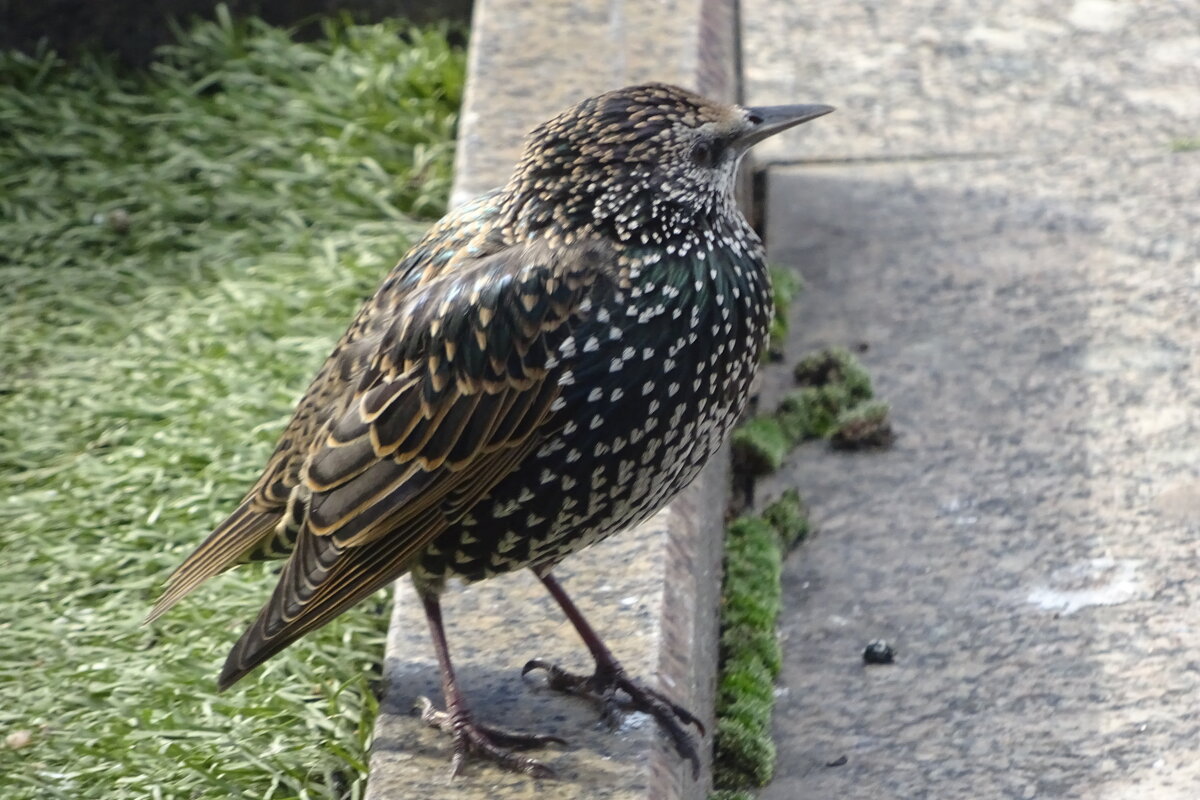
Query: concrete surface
{"x": 529, "y": 60}
{"x": 1002, "y": 220}
{"x": 1030, "y": 545}
{"x": 936, "y": 77}
{"x": 652, "y": 592}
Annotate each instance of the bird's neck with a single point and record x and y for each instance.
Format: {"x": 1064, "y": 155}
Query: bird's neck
{"x": 632, "y": 215}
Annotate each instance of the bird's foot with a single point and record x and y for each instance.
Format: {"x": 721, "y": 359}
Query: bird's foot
{"x": 487, "y": 741}
{"x": 602, "y": 688}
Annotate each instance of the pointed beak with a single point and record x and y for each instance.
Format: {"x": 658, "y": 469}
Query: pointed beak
{"x": 769, "y": 120}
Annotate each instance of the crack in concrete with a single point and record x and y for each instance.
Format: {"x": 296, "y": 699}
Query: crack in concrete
{"x": 892, "y": 159}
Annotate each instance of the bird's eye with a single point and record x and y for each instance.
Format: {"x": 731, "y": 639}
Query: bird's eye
{"x": 704, "y": 154}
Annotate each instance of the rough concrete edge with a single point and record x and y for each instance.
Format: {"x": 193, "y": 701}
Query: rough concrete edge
{"x": 688, "y": 556}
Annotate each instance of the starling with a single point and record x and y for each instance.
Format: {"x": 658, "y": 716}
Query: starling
{"x": 549, "y": 365}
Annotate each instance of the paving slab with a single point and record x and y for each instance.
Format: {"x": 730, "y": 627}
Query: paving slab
{"x": 531, "y": 59}
{"x": 652, "y": 592}
{"x": 1031, "y": 544}
{"x": 935, "y": 77}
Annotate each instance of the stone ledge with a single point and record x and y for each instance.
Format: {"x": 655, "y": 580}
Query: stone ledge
{"x": 1029, "y": 543}
{"x": 652, "y": 592}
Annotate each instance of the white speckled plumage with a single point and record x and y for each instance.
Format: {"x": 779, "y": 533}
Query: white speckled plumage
{"x": 549, "y": 365}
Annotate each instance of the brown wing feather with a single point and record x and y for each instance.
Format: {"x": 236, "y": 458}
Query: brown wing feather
{"x": 479, "y": 402}
{"x": 253, "y": 530}
{"x": 322, "y": 579}
{"x": 240, "y": 533}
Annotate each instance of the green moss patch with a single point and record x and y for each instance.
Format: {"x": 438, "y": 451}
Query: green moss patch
{"x": 731, "y": 794}
{"x": 862, "y": 425}
{"x": 750, "y": 656}
{"x": 179, "y": 249}
{"x": 760, "y": 444}
{"x": 835, "y": 401}
{"x": 785, "y": 284}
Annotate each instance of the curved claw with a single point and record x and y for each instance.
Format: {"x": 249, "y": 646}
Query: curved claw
{"x": 632, "y": 688}
{"x": 602, "y": 686}
{"x": 537, "y": 663}
{"x": 489, "y": 741}
{"x": 668, "y": 715}
{"x": 560, "y": 680}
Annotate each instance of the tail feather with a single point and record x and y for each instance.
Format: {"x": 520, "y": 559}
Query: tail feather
{"x": 227, "y": 546}
{"x": 319, "y": 582}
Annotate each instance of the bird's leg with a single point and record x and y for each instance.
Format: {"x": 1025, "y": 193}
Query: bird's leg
{"x": 602, "y": 686}
{"x": 470, "y": 736}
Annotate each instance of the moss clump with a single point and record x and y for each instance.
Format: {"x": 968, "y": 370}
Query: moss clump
{"x": 789, "y": 517}
{"x": 812, "y": 413}
{"x": 833, "y": 367}
{"x": 727, "y": 794}
{"x": 784, "y": 285}
{"x": 750, "y": 653}
{"x": 863, "y": 425}
{"x": 1185, "y": 145}
{"x": 755, "y": 642}
{"x": 748, "y": 753}
{"x": 760, "y": 444}
{"x": 835, "y": 402}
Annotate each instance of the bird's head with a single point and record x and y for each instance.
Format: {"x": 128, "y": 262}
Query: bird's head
{"x": 640, "y": 160}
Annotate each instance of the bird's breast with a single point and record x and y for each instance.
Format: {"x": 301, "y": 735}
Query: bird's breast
{"x": 651, "y": 383}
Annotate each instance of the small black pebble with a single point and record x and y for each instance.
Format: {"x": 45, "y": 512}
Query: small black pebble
{"x": 879, "y": 652}
{"x": 837, "y": 762}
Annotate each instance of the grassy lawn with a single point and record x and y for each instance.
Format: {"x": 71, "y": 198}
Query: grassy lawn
{"x": 178, "y": 250}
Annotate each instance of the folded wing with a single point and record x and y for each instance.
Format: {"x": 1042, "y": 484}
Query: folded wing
{"x": 459, "y": 390}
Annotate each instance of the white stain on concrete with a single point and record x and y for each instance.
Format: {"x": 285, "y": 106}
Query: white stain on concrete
{"x": 1096, "y": 582}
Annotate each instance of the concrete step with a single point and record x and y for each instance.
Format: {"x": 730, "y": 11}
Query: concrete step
{"x": 1030, "y": 543}
{"x": 652, "y": 592}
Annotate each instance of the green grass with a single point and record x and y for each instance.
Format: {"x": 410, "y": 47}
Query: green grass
{"x": 179, "y": 248}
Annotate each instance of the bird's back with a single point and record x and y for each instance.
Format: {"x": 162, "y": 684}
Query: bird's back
{"x": 262, "y": 527}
